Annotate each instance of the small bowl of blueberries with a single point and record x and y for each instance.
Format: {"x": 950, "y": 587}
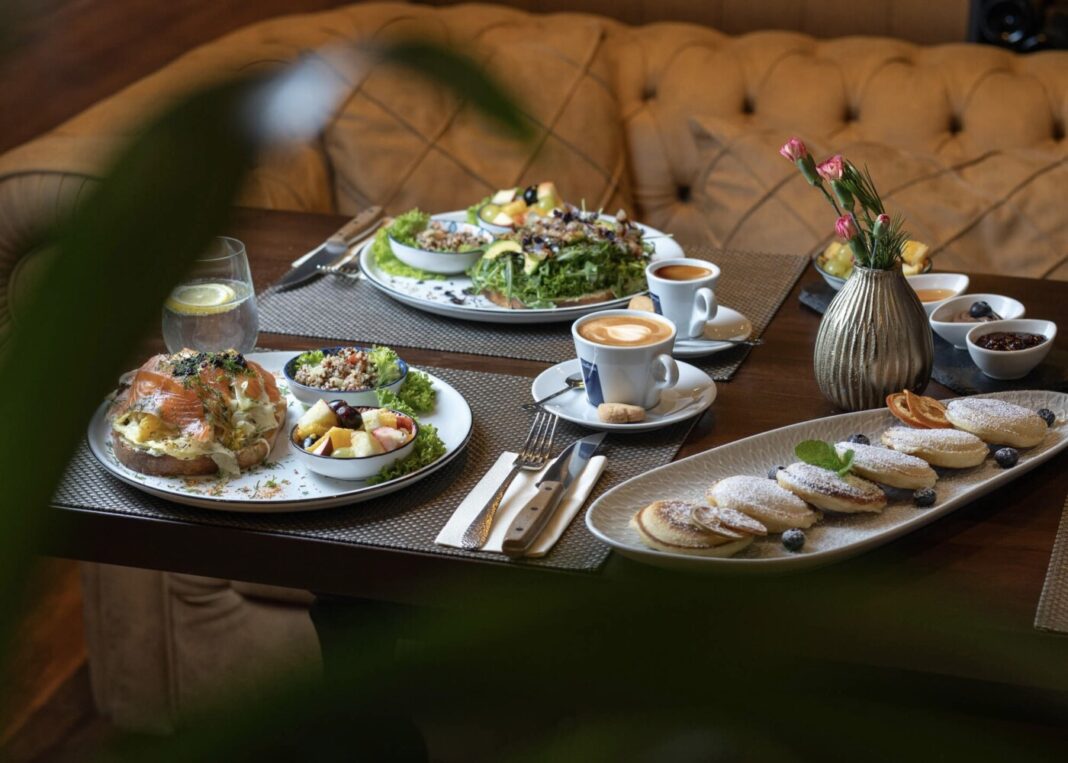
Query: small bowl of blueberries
{"x": 954, "y": 318}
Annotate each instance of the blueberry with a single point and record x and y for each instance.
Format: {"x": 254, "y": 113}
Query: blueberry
{"x": 530, "y": 196}
{"x": 1007, "y": 457}
{"x": 979, "y": 309}
{"x": 793, "y": 539}
{"x": 859, "y": 439}
{"x": 773, "y": 471}
{"x": 308, "y": 442}
{"x": 924, "y": 497}
{"x": 1048, "y": 416}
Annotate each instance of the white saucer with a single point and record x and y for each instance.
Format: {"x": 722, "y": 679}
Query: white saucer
{"x": 693, "y": 394}
{"x": 728, "y": 324}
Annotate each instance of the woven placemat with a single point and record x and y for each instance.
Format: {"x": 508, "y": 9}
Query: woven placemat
{"x": 409, "y": 519}
{"x": 755, "y": 284}
{"x": 954, "y": 368}
{"x": 1052, "y": 614}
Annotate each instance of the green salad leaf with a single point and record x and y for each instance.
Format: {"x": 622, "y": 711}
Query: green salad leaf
{"x": 386, "y": 364}
{"x": 309, "y": 358}
{"x": 824, "y": 455}
{"x": 575, "y": 270}
{"x": 428, "y": 444}
{"x": 406, "y": 227}
{"x": 472, "y": 211}
{"x": 388, "y": 263}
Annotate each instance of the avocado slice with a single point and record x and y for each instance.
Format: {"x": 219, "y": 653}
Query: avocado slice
{"x": 497, "y": 248}
{"x": 531, "y": 261}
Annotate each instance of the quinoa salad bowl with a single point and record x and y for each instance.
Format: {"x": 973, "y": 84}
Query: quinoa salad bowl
{"x": 352, "y": 374}
{"x": 442, "y": 246}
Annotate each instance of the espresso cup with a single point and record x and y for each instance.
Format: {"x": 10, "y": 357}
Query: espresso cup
{"x": 625, "y": 356}
{"x": 683, "y": 291}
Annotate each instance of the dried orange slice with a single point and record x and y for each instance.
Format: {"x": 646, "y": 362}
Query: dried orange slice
{"x": 898, "y": 405}
{"x": 928, "y": 410}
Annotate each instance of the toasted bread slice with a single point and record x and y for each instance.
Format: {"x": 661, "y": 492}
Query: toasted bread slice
{"x": 169, "y": 466}
{"x": 586, "y": 299}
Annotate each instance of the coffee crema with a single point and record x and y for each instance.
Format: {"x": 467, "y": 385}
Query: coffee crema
{"x": 624, "y": 331}
{"x": 681, "y": 272}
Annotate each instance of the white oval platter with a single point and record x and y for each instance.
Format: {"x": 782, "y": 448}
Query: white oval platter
{"x": 835, "y": 537}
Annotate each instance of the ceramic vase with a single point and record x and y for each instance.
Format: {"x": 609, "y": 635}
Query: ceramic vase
{"x": 874, "y": 339}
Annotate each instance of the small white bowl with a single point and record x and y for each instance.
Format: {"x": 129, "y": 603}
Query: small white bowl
{"x": 1011, "y": 364}
{"x": 445, "y": 263}
{"x": 956, "y": 333}
{"x": 357, "y": 467}
{"x": 360, "y": 397}
{"x": 957, "y": 283}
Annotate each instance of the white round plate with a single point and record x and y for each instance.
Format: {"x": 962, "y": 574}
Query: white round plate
{"x": 450, "y": 297}
{"x": 728, "y": 324}
{"x": 281, "y": 484}
{"x": 693, "y": 394}
{"x": 833, "y": 538}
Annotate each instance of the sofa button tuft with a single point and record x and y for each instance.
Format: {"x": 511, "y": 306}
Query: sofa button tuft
{"x": 748, "y": 107}
{"x": 1058, "y": 130}
{"x": 955, "y": 125}
{"x": 683, "y": 193}
{"x": 648, "y": 93}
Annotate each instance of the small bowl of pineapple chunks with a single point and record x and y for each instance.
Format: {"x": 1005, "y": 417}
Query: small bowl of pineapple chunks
{"x": 349, "y": 442}
{"x": 835, "y": 264}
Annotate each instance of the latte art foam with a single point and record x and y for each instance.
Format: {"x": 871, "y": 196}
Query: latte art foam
{"x": 624, "y": 331}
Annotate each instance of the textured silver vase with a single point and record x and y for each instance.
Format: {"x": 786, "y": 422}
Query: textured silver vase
{"x": 874, "y": 339}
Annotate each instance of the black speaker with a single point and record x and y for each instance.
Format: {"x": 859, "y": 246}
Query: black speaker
{"x": 1020, "y": 25}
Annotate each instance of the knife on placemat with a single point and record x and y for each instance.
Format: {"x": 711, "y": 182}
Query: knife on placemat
{"x": 307, "y": 267}
{"x": 532, "y": 518}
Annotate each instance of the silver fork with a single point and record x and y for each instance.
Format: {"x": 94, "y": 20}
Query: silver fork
{"x": 533, "y": 455}
{"x": 343, "y": 266}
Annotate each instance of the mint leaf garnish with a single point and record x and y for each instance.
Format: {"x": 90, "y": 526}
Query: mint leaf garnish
{"x": 822, "y": 454}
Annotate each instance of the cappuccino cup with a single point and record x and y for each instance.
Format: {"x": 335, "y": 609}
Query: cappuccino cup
{"x": 625, "y": 356}
{"x": 683, "y": 291}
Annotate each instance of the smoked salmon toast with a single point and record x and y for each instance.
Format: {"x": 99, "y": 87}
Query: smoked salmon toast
{"x": 195, "y": 413}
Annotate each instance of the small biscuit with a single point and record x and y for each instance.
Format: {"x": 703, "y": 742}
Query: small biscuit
{"x": 641, "y": 302}
{"x": 620, "y": 413}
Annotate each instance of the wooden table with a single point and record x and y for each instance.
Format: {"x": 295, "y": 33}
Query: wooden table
{"x": 996, "y": 548}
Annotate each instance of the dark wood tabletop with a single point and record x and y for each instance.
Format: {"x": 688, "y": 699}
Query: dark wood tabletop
{"x": 998, "y": 547}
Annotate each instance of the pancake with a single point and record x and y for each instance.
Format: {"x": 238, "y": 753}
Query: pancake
{"x": 669, "y": 526}
{"x": 997, "y": 422}
{"x": 950, "y": 448}
{"x": 825, "y": 490}
{"x": 728, "y": 522}
{"x": 764, "y": 500}
{"x": 889, "y": 467}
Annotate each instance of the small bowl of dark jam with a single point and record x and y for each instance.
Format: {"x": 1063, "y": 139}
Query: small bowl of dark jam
{"x": 1010, "y": 349}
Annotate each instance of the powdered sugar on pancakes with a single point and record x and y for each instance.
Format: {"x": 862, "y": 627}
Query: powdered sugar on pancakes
{"x": 889, "y": 466}
{"x": 997, "y": 421}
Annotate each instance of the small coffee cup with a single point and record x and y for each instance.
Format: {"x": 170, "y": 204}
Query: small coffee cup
{"x": 683, "y": 291}
{"x": 625, "y": 356}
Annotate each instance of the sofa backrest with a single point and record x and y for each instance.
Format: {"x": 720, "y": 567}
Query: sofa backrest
{"x": 676, "y": 122}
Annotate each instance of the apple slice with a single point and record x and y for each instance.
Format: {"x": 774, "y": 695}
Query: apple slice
{"x": 363, "y": 444}
{"x": 390, "y": 439}
{"x": 502, "y": 219}
{"x": 324, "y": 446}
{"x": 504, "y": 196}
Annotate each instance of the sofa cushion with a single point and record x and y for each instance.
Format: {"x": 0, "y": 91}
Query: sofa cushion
{"x": 401, "y": 142}
{"x": 988, "y": 214}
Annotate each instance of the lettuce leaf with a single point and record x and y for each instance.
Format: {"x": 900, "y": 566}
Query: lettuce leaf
{"x": 386, "y": 365}
{"x": 406, "y": 227}
{"x": 472, "y": 211}
{"x": 428, "y": 444}
{"x": 388, "y": 263}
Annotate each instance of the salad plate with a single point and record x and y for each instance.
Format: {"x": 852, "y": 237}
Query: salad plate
{"x": 453, "y": 296}
{"x": 834, "y": 538}
{"x": 692, "y": 395}
{"x": 728, "y": 324}
{"x": 281, "y": 484}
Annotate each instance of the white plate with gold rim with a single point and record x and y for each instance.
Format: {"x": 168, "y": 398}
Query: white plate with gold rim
{"x": 834, "y": 538}
{"x": 281, "y": 483}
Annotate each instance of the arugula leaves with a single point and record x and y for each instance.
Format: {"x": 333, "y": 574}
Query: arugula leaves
{"x": 823, "y": 454}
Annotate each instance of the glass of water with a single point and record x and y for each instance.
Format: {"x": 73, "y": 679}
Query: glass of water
{"x": 214, "y": 307}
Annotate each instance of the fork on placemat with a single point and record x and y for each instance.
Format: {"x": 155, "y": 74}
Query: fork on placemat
{"x": 533, "y": 455}
{"x": 348, "y": 264}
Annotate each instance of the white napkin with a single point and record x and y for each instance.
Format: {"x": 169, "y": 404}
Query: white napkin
{"x": 521, "y": 490}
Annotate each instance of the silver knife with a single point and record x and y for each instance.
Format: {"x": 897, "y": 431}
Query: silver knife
{"x": 329, "y": 250}
{"x": 532, "y": 518}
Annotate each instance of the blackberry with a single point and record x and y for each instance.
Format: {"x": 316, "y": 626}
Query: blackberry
{"x": 1007, "y": 457}
{"x": 924, "y": 497}
{"x": 793, "y": 539}
{"x": 859, "y": 439}
{"x": 773, "y": 471}
{"x": 1048, "y": 416}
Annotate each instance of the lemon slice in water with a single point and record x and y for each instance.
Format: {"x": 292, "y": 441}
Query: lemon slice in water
{"x": 202, "y": 299}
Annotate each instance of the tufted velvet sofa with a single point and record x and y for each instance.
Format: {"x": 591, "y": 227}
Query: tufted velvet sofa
{"x": 677, "y": 123}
